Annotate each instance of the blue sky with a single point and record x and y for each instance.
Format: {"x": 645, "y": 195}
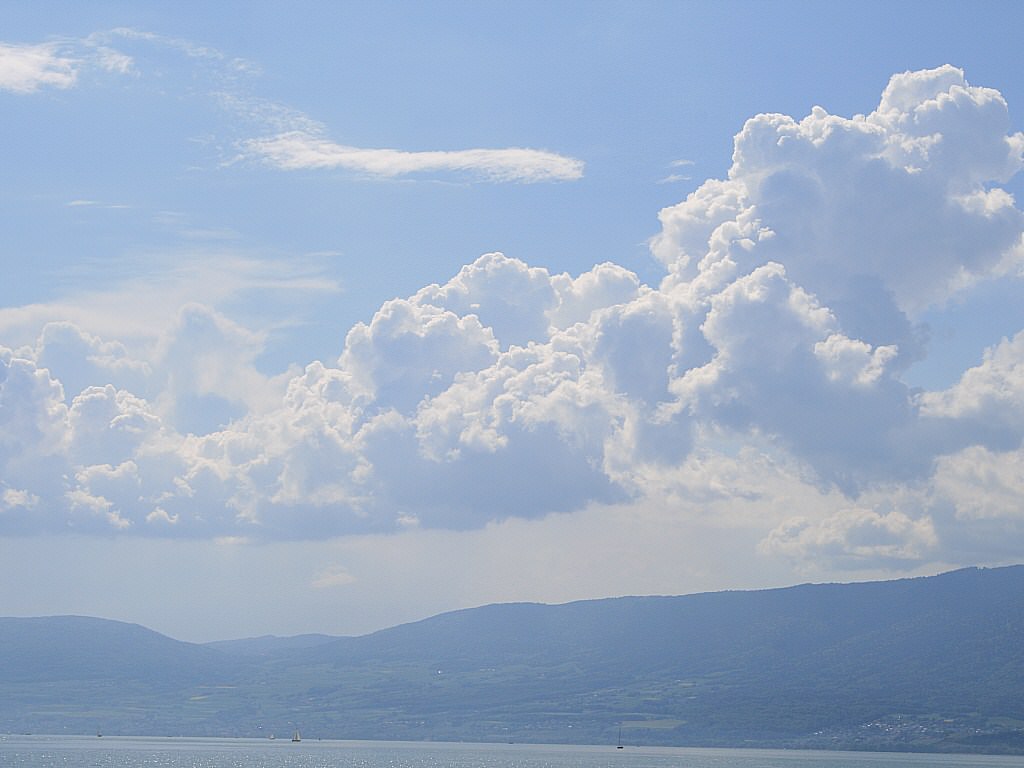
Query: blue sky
{"x": 328, "y": 316}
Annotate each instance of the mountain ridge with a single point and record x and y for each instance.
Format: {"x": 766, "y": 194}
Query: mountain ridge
{"x": 927, "y": 663}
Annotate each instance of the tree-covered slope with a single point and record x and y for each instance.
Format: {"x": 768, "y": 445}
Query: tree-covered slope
{"x": 771, "y": 665}
{"x": 930, "y": 663}
{"x": 56, "y": 648}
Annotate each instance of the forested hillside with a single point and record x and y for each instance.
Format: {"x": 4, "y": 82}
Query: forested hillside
{"x": 931, "y": 663}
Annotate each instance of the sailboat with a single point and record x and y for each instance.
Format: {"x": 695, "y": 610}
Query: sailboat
{"x": 295, "y": 736}
{"x": 620, "y": 738}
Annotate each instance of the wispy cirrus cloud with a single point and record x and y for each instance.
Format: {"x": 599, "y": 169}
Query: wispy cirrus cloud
{"x": 677, "y": 175}
{"x": 189, "y": 48}
{"x": 27, "y": 68}
{"x": 298, "y": 150}
{"x": 291, "y": 140}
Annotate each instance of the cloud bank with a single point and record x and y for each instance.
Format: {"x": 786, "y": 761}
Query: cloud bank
{"x": 760, "y": 384}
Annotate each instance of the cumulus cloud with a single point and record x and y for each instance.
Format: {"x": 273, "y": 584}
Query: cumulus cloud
{"x": 32, "y": 411}
{"x": 79, "y": 359}
{"x": 988, "y": 400}
{"x": 109, "y": 426}
{"x": 412, "y": 349}
{"x": 855, "y": 536}
{"x": 294, "y": 150}
{"x": 893, "y": 211}
{"x": 983, "y": 484}
{"x": 758, "y": 388}
{"x": 208, "y": 362}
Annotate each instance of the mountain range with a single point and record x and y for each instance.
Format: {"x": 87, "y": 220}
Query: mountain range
{"x": 931, "y": 664}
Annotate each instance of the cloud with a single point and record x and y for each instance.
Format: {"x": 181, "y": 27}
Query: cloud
{"x": 137, "y": 309}
{"x": 988, "y": 399}
{"x": 108, "y": 426}
{"x": 506, "y": 295}
{"x": 32, "y": 411}
{"x": 80, "y": 360}
{"x": 756, "y": 395}
{"x": 27, "y": 68}
{"x": 287, "y": 138}
{"x": 299, "y": 150}
{"x": 896, "y": 210}
{"x": 209, "y": 372}
{"x": 983, "y": 484}
{"x": 854, "y": 538}
{"x": 332, "y": 576}
{"x": 675, "y": 176}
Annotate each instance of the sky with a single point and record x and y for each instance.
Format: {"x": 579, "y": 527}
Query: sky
{"x": 327, "y": 317}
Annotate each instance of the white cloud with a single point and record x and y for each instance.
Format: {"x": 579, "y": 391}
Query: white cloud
{"x": 136, "y": 311}
{"x": 160, "y": 516}
{"x": 754, "y": 397}
{"x": 210, "y": 378}
{"x": 33, "y": 417}
{"x": 27, "y": 68}
{"x": 606, "y": 285}
{"x": 114, "y": 61}
{"x": 287, "y": 139}
{"x": 989, "y": 396}
{"x": 332, "y": 576}
{"x": 852, "y": 361}
{"x": 187, "y": 47}
{"x": 108, "y": 426}
{"x": 983, "y": 484}
{"x": 295, "y": 150}
{"x": 674, "y": 177}
{"x": 509, "y": 297}
{"x": 877, "y": 216}
{"x": 79, "y": 360}
{"x": 12, "y": 498}
{"x": 854, "y": 538}
{"x": 411, "y": 350}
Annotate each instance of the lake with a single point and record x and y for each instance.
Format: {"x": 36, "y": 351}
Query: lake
{"x": 139, "y": 752}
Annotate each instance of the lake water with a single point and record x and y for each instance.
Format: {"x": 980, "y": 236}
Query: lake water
{"x": 124, "y": 752}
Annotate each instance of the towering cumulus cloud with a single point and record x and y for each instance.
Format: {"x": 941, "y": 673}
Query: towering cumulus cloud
{"x": 764, "y": 374}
